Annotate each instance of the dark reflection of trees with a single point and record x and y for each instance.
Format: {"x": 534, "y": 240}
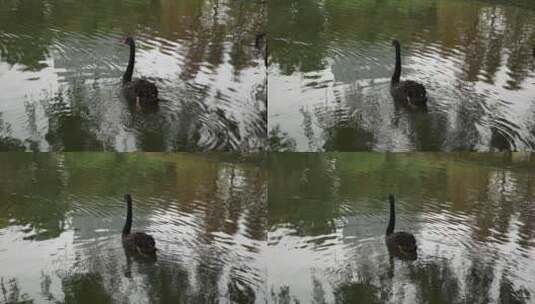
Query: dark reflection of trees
{"x": 70, "y": 127}
{"x": 341, "y": 131}
{"x": 241, "y": 293}
{"x": 301, "y": 32}
{"x": 280, "y": 141}
{"x": 11, "y": 292}
{"x": 196, "y": 21}
{"x": 234, "y": 203}
{"x": 7, "y": 143}
{"x": 248, "y": 202}
{"x": 508, "y": 293}
{"x": 296, "y": 35}
{"x": 427, "y": 131}
{"x": 151, "y": 133}
{"x": 70, "y": 133}
{"x": 299, "y": 193}
{"x": 169, "y": 285}
{"x": 282, "y": 296}
{"x": 18, "y": 49}
{"x": 465, "y": 133}
{"x": 11, "y": 144}
{"x": 85, "y": 288}
{"x": 436, "y": 283}
{"x": 29, "y": 181}
{"x": 357, "y": 293}
{"x": 348, "y": 138}
{"x": 305, "y": 180}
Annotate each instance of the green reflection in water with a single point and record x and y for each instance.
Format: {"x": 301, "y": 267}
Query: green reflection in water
{"x": 331, "y": 63}
{"x": 473, "y": 216}
{"x": 61, "y": 217}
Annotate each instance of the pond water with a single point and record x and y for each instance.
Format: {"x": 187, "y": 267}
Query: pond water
{"x": 331, "y": 63}
{"x": 283, "y": 228}
{"x": 61, "y": 217}
{"x": 61, "y": 64}
{"x": 473, "y": 216}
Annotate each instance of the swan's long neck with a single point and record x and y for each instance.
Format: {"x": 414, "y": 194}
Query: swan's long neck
{"x": 128, "y": 224}
{"x": 392, "y": 221}
{"x": 397, "y": 70}
{"x": 130, "y": 68}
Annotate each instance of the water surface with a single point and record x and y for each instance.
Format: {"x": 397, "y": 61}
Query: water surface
{"x": 61, "y": 63}
{"x": 473, "y": 216}
{"x": 61, "y": 217}
{"x": 331, "y": 63}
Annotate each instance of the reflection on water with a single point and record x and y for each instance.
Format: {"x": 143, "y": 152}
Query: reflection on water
{"x": 61, "y": 64}
{"x": 61, "y": 218}
{"x": 473, "y": 216}
{"x": 331, "y": 63}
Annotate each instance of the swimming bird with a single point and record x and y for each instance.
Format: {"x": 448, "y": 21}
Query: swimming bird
{"x": 408, "y": 92}
{"x": 142, "y": 91}
{"x": 400, "y": 244}
{"x": 136, "y": 242}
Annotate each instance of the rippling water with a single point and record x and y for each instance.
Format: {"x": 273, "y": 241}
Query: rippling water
{"x": 61, "y": 217}
{"x": 331, "y": 63}
{"x": 61, "y": 63}
{"x": 473, "y": 216}
{"x": 305, "y": 228}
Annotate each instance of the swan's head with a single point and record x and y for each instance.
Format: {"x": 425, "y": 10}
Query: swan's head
{"x": 395, "y": 43}
{"x": 128, "y": 198}
{"x": 391, "y": 198}
{"x": 129, "y": 40}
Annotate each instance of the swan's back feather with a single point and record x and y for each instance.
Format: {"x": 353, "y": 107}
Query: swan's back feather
{"x": 409, "y": 92}
{"x": 141, "y": 242}
{"x": 142, "y": 88}
{"x": 403, "y": 239}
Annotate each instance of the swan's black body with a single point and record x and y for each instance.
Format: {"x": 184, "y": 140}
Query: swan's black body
{"x": 136, "y": 242}
{"x": 142, "y": 91}
{"x": 408, "y": 92}
{"x": 400, "y": 244}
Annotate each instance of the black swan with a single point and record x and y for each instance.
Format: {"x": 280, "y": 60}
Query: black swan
{"x": 400, "y": 244}
{"x": 408, "y": 92}
{"x": 142, "y": 91}
{"x": 137, "y": 242}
